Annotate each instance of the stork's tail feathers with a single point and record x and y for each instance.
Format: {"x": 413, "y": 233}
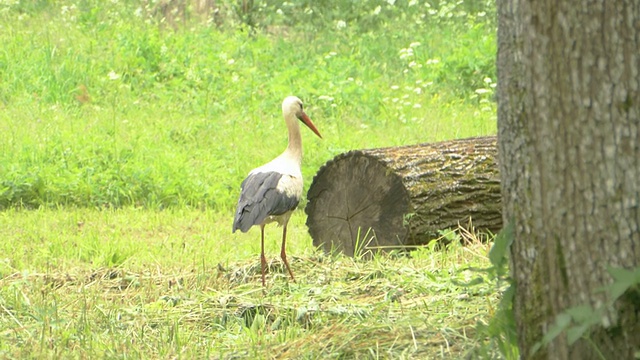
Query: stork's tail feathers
{"x": 240, "y": 222}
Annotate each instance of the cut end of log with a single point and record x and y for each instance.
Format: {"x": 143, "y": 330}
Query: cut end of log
{"x": 357, "y": 203}
{"x": 392, "y": 198}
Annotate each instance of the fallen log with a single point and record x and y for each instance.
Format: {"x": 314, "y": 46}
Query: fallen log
{"x": 399, "y": 197}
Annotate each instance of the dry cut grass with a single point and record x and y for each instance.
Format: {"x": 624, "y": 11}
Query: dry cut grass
{"x": 392, "y": 306}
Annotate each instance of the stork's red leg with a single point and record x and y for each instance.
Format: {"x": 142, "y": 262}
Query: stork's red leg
{"x": 283, "y": 251}
{"x": 263, "y": 260}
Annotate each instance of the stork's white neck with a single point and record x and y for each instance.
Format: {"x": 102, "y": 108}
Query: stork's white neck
{"x": 294, "y": 149}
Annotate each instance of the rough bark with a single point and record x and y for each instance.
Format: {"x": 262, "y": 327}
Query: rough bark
{"x": 395, "y": 197}
{"x": 569, "y": 140}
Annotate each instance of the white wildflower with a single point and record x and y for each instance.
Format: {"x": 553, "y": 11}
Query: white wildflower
{"x": 432, "y": 61}
{"x": 341, "y": 24}
{"x": 330, "y": 54}
{"x": 405, "y": 53}
{"x": 113, "y": 75}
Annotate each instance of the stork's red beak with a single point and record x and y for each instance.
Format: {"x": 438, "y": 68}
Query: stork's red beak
{"x": 305, "y": 119}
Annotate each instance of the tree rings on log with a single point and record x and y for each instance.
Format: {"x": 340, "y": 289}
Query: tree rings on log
{"x": 399, "y": 197}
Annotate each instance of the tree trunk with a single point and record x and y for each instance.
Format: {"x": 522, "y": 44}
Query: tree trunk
{"x": 569, "y": 140}
{"x": 396, "y": 197}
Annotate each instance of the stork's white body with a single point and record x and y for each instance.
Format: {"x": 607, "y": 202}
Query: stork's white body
{"x": 290, "y": 183}
{"x": 272, "y": 191}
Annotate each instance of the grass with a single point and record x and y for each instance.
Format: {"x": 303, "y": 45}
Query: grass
{"x": 108, "y": 109}
{"x": 164, "y": 284}
{"x": 127, "y": 129}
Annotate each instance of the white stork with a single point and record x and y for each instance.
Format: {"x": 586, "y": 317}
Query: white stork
{"x": 272, "y": 191}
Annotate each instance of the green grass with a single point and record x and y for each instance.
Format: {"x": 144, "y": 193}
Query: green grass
{"x": 160, "y": 284}
{"x": 106, "y": 109}
{"x": 125, "y": 136}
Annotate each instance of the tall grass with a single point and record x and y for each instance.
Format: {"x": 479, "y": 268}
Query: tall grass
{"x": 110, "y": 104}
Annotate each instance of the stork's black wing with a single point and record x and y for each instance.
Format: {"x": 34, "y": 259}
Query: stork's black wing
{"x": 260, "y": 198}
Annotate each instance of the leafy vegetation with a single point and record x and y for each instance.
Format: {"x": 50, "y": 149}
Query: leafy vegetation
{"x": 576, "y": 322}
{"x": 110, "y": 106}
{"x": 127, "y": 127}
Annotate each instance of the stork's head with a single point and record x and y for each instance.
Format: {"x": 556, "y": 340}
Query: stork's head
{"x": 292, "y": 105}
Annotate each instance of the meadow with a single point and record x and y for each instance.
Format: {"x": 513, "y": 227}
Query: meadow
{"x": 127, "y": 126}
